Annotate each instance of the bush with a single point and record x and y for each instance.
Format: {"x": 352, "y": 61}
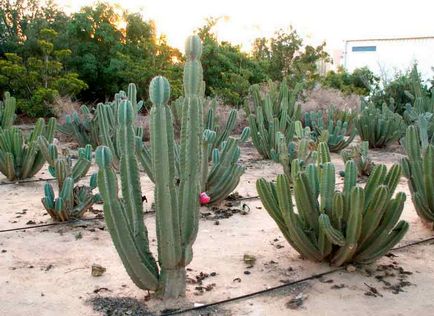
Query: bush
{"x": 360, "y": 82}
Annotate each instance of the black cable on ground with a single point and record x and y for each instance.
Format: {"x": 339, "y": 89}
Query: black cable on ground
{"x": 312, "y": 277}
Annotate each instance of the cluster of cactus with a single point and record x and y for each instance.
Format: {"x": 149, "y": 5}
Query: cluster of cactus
{"x": 83, "y": 127}
{"x": 20, "y": 156}
{"x": 326, "y": 129}
{"x": 418, "y": 168}
{"x": 353, "y": 225}
{"x": 380, "y": 127}
{"x": 176, "y": 193}
{"x": 107, "y": 118}
{"x": 421, "y": 111}
{"x": 274, "y": 112}
{"x": 217, "y": 181}
{"x": 73, "y": 200}
{"x": 301, "y": 150}
{"x": 7, "y": 111}
{"x": 359, "y": 154}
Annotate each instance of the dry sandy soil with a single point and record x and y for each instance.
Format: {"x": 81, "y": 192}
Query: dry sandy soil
{"x": 47, "y": 270}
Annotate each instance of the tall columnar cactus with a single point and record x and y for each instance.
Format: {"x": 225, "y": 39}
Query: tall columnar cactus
{"x": 418, "y": 168}
{"x": 379, "y": 127}
{"x": 326, "y": 129}
{"x": 176, "y": 199}
{"x": 82, "y": 127}
{"x": 275, "y": 112}
{"x": 353, "y": 225}
{"x": 73, "y": 200}
{"x": 20, "y": 157}
{"x": 7, "y": 111}
{"x": 360, "y": 155}
{"x": 107, "y": 118}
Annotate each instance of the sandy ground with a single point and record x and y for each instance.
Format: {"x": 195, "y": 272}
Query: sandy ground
{"x": 47, "y": 271}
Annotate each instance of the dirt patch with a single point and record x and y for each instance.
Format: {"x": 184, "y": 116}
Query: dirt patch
{"x": 119, "y": 306}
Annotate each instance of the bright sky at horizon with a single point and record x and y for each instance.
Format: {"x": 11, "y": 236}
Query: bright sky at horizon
{"x": 332, "y": 21}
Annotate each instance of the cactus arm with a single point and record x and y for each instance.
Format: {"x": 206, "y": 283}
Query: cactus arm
{"x": 374, "y": 212}
{"x": 145, "y": 157}
{"x": 168, "y": 219}
{"x": 137, "y": 259}
{"x": 383, "y": 244}
{"x": 428, "y": 178}
{"x": 334, "y": 235}
{"x": 353, "y": 229}
{"x": 284, "y": 218}
{"x": 307, "y": 206}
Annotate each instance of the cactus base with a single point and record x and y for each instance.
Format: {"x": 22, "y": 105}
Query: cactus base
{"x": 172, "y": 283}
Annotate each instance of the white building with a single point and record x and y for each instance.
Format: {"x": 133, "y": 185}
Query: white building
{"x": 387, "y": 56}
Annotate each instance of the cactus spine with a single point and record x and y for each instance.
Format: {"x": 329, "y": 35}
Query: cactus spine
{"x": 176, "y": 203}
{"x": 20, "y": 157}
{"x": 72, "y": 201}
{"x": 7, "y": 111}
{"x": 418, "y": 168}
{"x": 353, "y": 225}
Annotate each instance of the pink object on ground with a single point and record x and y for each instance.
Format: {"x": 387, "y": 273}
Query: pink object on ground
{"x": 204, "y": 198}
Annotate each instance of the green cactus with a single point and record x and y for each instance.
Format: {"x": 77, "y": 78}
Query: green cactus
{"x": 176, "y": 199}
{"x": 275, "y": 112}
{"x": 302, "y": 151}
{"x": 418, "y": 168}
{"x": 217, "y": 145}
{"x": 20, "y": 157}
{"x": 73, "y": 200}
{"x": 7, "y": 111}
{"x": 379, "y": 127}
{"x": 82, "y": 127}
{"x": 353, "y": 225}
{"x": 359, "y": 153}
{"x": 326, "y": 129}
{"x": 107, "y": 118}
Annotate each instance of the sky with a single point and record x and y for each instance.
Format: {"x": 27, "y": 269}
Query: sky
{"x": 332, "y": 21}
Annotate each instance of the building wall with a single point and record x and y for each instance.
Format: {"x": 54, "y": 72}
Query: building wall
{"x": 386, "y": 57}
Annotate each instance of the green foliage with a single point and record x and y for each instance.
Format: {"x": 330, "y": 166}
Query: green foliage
{"x": 380, "y": 127}
{"x": 39, "y": 79}
{"x": 176, "y": 199}
{"x": 353, "y": 225}
{"x": 359, "y": 154}
{"x": 7, "y": 111}
{"x": 326, "y": 129}
{"x": 418, "y": 168}
{"x": 112, "y": 47}
{"x": 273, "y": 112}
{"x": 228, "y": 72}
{"x": 73, "y": 200}
{"x": 401, "y": 91}
{"x": 361, "y": 81}
{"x": 20, "y": 156}
{"x": 284, "y": 56}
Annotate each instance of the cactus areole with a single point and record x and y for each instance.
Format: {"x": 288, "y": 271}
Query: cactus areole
{"x": 176, "y": 191}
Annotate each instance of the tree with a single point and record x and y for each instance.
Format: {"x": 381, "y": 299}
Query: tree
{"x": 37, "y": 80}
{"x": 228, "y": 72}
{"x": 284, "y": 56}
